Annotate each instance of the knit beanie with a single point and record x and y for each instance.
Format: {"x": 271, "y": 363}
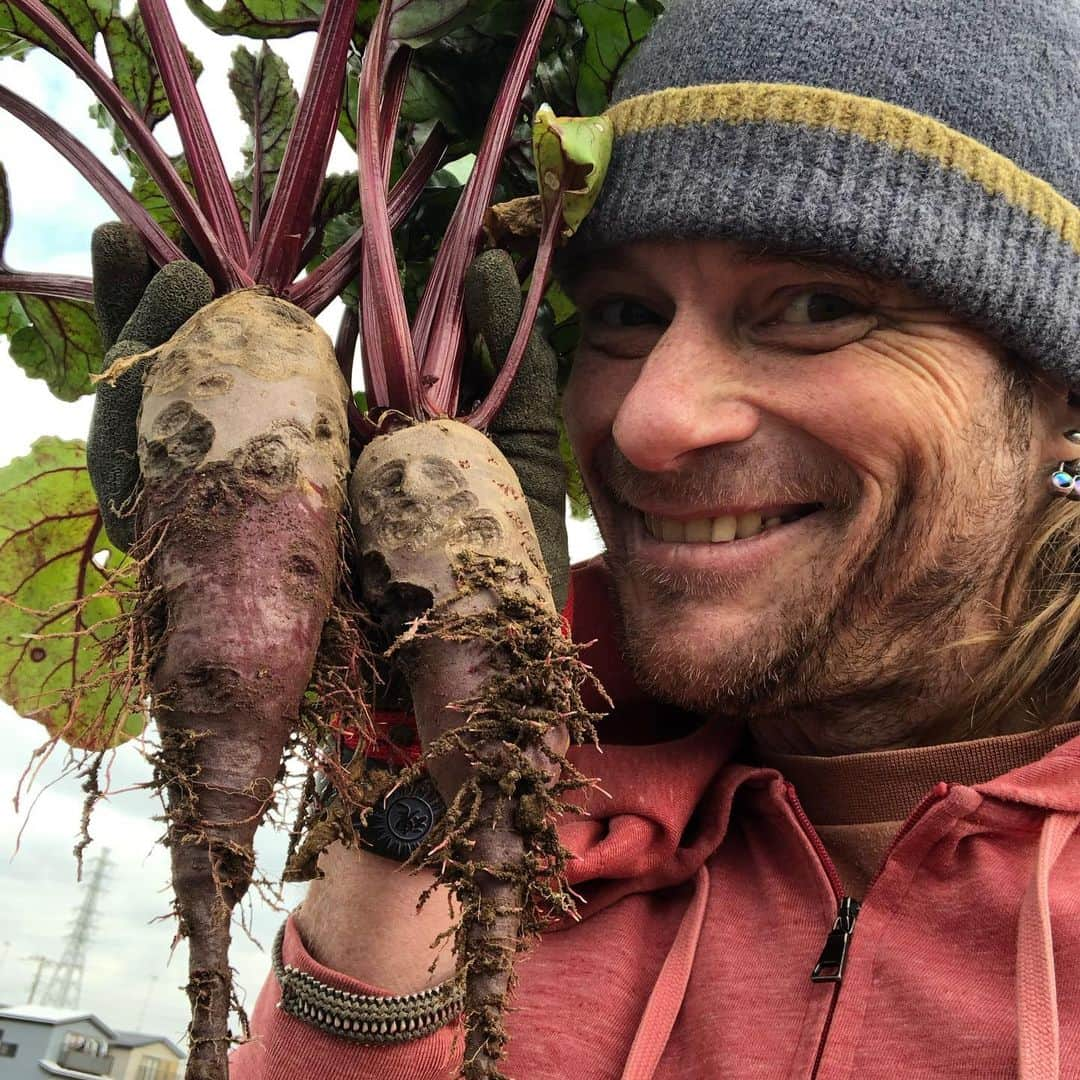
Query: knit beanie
{"x": 936, "y": 142}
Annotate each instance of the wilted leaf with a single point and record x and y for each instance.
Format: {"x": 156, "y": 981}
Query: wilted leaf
{"x": 55, "y": 609}
{"x": 134, "y": 69}
{"x": 613, "y": 29}
{"x": 84, "y": 18}
{"x": 267, "y": 99}
{"x": 571, "y": 155}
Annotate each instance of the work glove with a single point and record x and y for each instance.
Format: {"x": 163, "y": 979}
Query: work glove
{"x": 526, "y": 428}
{"x": 137, "y": 310}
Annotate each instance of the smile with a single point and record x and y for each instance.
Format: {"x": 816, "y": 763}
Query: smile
{"x": 722, "y": 528}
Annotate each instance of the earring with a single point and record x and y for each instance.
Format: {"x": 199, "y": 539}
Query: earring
{"x": 1065, "y": 483}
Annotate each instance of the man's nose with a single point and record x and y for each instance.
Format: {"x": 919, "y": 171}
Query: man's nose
{"x": 693, "y": 391}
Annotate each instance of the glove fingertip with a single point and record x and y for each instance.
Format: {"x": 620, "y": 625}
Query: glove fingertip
{"x": 177, "y": 291}
{"x": 121, "y": 270}
{"x": 493, "y": 300}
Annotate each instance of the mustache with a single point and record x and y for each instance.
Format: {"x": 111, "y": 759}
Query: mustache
{"x": 730, "y": 475}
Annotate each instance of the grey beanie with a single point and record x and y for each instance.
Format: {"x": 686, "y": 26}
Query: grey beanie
{"x": 932, "y": 141}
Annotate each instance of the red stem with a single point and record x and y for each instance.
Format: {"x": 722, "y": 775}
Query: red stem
{"x": 212, "y": 185}
{"x": 439, "y": 331}
{"x": 325, "y": 282}
{"x": 275, "y": 260}
{"x": 345, "y": 343}
{"x": 60, "y": 286}
{"x": 225, "y": 271}
{"x": 549, "y": 236}
{"x": 161, "y": 249}
{"x": 387, "y": 345}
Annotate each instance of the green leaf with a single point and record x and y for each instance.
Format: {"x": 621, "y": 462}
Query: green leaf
{"x": 133, "y": 67}
{"x": 267, "y": 98}
{"x": 419, "y": 22}
{"x": 84, "y": 18}
{"x": 580, "y": 507}
{"x": 274, "y": 18}
{"x": 58, "y": 341}
{"x": 613, "y": 29}
{"x": 56, "y": 610}
{"x": 260, "y": 18}
{"x": 145, "y": 189}
{"x": 340, "y": 195}
{"x": 571, "y": 155}
{"x": 5, "y": 212}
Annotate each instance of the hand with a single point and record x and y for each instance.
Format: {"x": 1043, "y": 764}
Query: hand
{"x": 526, "y": 428}
{"x": 137, "y": 310}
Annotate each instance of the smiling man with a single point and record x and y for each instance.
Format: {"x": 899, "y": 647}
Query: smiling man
{"x": 822, "y": 404}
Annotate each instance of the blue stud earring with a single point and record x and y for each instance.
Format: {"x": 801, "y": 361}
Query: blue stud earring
{"x": 1065, "y": 479}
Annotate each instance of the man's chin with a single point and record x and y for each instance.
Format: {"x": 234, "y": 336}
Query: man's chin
{"x": 699, "y": 651}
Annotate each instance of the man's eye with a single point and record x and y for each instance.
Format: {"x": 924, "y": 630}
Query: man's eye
{"x": 619, "y": 314}
{"x": 819, "y": 307}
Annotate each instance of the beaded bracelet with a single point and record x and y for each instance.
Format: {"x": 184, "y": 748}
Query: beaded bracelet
{"x": 365, "y": 1018}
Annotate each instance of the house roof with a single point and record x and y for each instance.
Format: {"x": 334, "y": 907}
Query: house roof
{"x": 129, "y": 1040}
{"x": 48, "y": 1014}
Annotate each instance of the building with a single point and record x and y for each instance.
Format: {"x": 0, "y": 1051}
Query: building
{"x": 144, "y": 1057}
{"x": 38, "y": 1041}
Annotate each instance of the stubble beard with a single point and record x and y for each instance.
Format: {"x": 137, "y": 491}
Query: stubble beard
{"x": 879, "y": 627}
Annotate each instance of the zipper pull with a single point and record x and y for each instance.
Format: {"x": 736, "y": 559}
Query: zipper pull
{"x": 830, "y": 965}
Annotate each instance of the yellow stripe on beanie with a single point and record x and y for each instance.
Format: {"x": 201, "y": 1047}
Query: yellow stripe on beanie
{"x": 876, "y": 121}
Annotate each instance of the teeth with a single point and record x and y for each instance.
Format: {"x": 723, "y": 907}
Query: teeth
{"x": 747, "y": 525}
{"x": 699, "y": 532}
{"x": 723, "y": 529}
{"x": 718, "y": 530}
{"x": 672, "y": 531}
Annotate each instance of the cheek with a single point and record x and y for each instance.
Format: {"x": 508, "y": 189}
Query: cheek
{"x": 594, "y": 392}
{"x": 881, "y": 419}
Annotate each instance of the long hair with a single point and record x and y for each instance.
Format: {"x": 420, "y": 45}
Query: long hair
{"x": 1033, "y": 669}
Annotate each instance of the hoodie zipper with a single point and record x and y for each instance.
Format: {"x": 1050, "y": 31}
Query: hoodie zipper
{"x": 839, "y": 937}
{"x": 830, "y": 965}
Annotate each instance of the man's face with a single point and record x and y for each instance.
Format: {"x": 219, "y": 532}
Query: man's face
{"x": 808, "y": 480}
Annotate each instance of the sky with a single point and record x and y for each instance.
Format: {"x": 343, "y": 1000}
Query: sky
{"x": 134, "y": 977}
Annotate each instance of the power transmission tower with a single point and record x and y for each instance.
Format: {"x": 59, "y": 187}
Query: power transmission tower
{"x": 65, "y": 984}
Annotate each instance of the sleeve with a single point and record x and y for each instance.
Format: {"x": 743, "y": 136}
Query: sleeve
{"x": 283, "y": 1048}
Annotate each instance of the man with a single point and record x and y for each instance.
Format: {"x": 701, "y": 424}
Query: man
{"x": 829, "y": 330}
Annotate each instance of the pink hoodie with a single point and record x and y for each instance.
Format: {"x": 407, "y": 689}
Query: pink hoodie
{"x": 709, "y": 902}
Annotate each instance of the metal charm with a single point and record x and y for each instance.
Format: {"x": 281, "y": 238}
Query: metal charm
{"x": 398, "y": 824}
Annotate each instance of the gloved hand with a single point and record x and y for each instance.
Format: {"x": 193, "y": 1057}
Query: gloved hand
{"x": 526, "y": 428}
{"x": 136, "y": 310}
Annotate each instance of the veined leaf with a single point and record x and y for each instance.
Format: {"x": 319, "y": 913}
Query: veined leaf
{"x": 613, "y": 29}
{"x": 419, "y": 22}
{"x": 272, "y": 18}
{"x": 134, "y": 70}
{"x": 267, "y": 100}
{"x": 83, "y": 17}
{"x": 55, "y": 608}
{"x": 149, "y": 194}
{"x": 58, "y": 341}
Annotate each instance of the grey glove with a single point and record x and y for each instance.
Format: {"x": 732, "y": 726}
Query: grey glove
{"x": 137, "y": 310}
{"x": 526, "y": 428}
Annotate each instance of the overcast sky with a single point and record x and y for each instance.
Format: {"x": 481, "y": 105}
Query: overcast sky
{"x": 130, "y": 980}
